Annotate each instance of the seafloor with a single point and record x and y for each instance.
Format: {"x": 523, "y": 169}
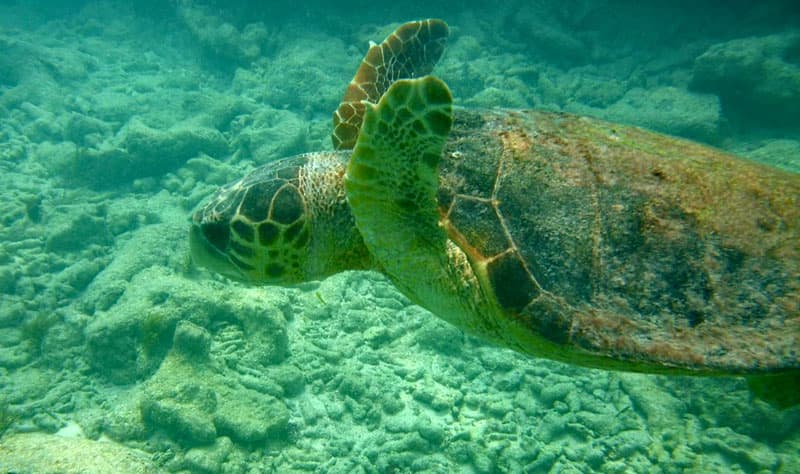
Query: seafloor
{"x": 116, "y": 355}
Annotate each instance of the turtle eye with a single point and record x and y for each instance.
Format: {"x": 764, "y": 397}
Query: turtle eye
{"x": 217, "y": 234}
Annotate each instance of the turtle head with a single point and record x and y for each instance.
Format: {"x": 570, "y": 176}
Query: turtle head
{"x": 284, "y": 223}
{"x": 289, "y": 221}
{"x": 254, "y": 230}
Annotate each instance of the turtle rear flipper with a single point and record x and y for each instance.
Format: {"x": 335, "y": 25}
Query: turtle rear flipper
{"x": 411, "y": 51}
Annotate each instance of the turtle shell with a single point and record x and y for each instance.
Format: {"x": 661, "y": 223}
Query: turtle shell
{"x": 627, "y": 244}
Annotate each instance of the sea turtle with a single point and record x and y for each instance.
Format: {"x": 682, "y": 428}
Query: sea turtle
{"x": 556, "y": 235}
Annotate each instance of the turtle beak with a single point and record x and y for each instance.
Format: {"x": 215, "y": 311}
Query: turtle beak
{"x": 205, "y": 254}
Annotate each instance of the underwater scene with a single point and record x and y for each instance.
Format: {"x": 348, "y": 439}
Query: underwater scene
{"x": 261, "y": 344}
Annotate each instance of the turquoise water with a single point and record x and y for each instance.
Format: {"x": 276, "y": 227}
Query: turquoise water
{"x": 117, "y": 355}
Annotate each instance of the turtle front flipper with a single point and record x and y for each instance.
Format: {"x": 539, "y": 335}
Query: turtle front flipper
{"x": 391, "y": 185}
{"x": 411, "y": 51}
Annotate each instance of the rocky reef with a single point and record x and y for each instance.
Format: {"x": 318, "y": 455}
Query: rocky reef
{"x": 118, "y": 355}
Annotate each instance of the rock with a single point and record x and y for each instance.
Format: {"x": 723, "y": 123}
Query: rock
{"x": 499, "y": 408}
{"x": 112, "y": 346}
{"x": 84, "y": 130}
{"x": 250, "y": 417}
{"x": 180, "y": 399}
{"x": 66, "y": 64}
{"x": 26, "y": 61}
{"x": 511, "y": 93}
{"x": 552, "y": 393}
{"x": 290, "y": 378}
{"x": 269, "y": 134}
{"x": 155, "y": 152}
{"x": 392, "y": 403}
{"x": 435, "y": 336}
{"x": 50, "y": 454}
{"x": 181, "y": 420}
{"x": 780, "y": 153}
{"x": 510, "y": 382}
{"x": 11, "y": 313}
{"x": 376, "y": 336}
{"x": 263, "y": 318}
{"x": 628, "y": 442}
{"x": 75, "y": 231}
{"x": 139, "y": 151}
{"x": 15, "y": 356}
{"x": 757, "y": 78}
{"x": 192, "y": 398}
{"x": 15, "y": 148}
{"x": 222, "y": 39}
{"x": 191, "y": 340}
{"x": 15, "y": 63}
{"x": 208, "y": 459}
{"x": 8, "y": 283}
{"x": 125, "y": 422}
{"x": 550, "y": 33}
{"x": 752, "y": 455}
{"x": 299, "y": 77}
{"x": 134, "y": 317}
{"x": 80, "y": 274}
{"x": 668, "y": 110}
